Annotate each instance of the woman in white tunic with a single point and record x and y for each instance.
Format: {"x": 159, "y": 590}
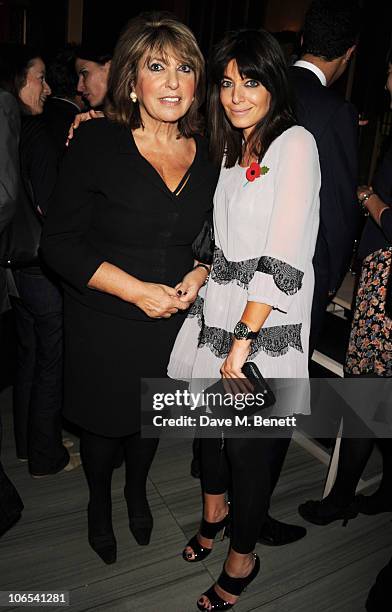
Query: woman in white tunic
{"x": 258, "y": 298}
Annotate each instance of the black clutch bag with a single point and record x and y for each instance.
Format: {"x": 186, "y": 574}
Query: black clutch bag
{"x": 259, "y": 383}
{"x": 260, "y": 386}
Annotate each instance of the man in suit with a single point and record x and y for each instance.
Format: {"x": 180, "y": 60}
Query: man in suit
{"x": 329, "y": 37}
{"x": 11, "y": 505}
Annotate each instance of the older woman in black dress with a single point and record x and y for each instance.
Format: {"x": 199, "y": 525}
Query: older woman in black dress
{"x": 134, "y": 192}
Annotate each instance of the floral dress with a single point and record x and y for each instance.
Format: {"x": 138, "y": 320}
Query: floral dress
{"x": 370, "y": 346}
{"x": 265, "y": 233}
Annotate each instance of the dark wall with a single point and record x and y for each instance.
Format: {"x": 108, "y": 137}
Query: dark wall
{"x": 45, "y": 22}
{"x": 100, "y": 23}
{"x": 206, "y": 18}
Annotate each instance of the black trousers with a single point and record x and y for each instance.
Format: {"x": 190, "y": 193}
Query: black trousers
{"x": 38, "y": 385}
{"x": 320, "y": 302}
{"x": 250, "y": 468}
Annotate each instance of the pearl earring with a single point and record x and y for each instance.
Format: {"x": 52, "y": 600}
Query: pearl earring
{"x": 133, "y": 97}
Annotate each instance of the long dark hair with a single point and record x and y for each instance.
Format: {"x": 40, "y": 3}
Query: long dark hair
{"x": 258, "y": 56}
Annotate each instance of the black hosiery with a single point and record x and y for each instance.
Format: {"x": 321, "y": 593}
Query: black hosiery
{"x": 353, "y": 457}
{"x": 98, "y": 454}
{"x": 139, "y": 454}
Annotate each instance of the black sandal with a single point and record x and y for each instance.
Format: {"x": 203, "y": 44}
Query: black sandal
{"x": 209, "y": 531}
{"x": 235, "y": 586}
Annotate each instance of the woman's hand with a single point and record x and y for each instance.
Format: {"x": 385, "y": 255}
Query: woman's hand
{"x": 231, "y": 369}
{"x": 158, "y": 301}
{"x": 80, "y": 118}
{"x": 363, "y": 190}
{"x": 190, "y": 285}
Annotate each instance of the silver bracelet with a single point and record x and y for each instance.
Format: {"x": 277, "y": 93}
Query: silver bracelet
{"x": 363, "y": 201}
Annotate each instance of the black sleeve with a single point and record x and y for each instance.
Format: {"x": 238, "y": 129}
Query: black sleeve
{"x": 43, "y": 168}
{"x": 382, "y": 182}
{"x": 339, "y": 211}
{"x": 386, "y": 224}
{"x": 65, "y": 246}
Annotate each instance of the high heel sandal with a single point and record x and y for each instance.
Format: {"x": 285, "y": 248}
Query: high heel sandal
{"x": 141, "y": 523}
{"x": 234, "y": 586}
{"x": 324, "y": 512}
{"x": 102, "y": 540}
{"x": 209, "y": 531}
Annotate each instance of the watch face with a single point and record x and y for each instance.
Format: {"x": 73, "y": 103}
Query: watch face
{"x": 241, "y": 331}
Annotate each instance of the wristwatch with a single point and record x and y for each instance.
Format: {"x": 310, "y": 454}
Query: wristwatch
{"x": 243, "y": 332}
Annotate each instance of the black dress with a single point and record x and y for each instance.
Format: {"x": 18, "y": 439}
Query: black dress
{"x": 111, "y": 205}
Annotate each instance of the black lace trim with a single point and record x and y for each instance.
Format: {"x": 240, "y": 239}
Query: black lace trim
{"x": 224, "y": 271}
{"x": 274, "y": 341}
{"x": 196, "y": 310}
{"x": 286, "y": 278}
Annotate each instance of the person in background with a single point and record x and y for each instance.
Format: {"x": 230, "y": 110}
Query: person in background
{"x": 92, "y": 64}
{"x": 329, "y": 36}
{"x": 368, "y": 353}
{"x": 37, "y": 398}
{"x": 65, "y": 102}
{"x": 11, "y": 505}
{"x": 134, "y": 192}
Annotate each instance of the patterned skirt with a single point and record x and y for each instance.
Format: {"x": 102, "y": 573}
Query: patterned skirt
{"x": 370, "y": 346}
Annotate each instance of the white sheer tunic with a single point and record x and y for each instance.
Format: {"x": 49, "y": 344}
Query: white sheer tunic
{"x": 265, "y": 236}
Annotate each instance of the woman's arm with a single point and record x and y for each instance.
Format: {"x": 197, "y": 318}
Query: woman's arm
{"x": 380, "y": 212}
{"x": 254, "y": 316}
{"x": 157, "y": 301}
{"x": 65, "y": 245}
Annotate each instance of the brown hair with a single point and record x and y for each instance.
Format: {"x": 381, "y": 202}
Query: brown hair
{"x": 151, "y": 33}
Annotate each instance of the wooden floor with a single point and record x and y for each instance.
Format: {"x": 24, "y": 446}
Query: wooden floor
{"x": 331, "y": 570}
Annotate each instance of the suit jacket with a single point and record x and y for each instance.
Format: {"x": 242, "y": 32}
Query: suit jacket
{"x": 111, "y": 205}
{"x": 334, "y": 124}
{"x": 9, "y": 172}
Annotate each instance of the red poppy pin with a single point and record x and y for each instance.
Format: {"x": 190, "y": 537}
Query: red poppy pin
{"x": 254, "y": 171}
